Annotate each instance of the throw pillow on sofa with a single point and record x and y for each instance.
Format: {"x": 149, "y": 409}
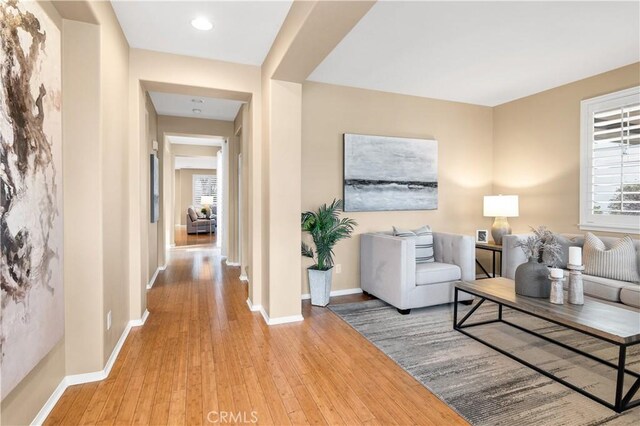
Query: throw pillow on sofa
{"x": 424, "y": 242}
{"x": 192, "y": 214}
{"x": 616, "y": 263}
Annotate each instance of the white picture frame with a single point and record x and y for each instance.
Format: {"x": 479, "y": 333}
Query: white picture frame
{"x": 482, "y": 236}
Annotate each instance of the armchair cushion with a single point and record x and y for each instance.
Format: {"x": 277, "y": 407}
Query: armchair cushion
{"x": 436, "y": 272}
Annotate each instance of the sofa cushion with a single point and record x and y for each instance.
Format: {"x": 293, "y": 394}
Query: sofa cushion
{"x": 192, "y": 214}
{"x": 630, "y": 295}
{"x": 602, "y": 288}
{"x": 436, "y": 272}
{"x": 618, "y": 262}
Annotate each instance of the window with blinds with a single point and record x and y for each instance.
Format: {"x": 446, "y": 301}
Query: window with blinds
{"x": 610, "y": 169}
{"x": 204, "y": 185}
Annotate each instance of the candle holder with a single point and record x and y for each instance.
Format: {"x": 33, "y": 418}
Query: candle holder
{"x": 557, "y": 293}
{"x": 576, "y": 288}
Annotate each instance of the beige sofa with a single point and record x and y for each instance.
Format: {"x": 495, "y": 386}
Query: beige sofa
{"x": 627, "y": 293}
{"x": 388, "y": 269}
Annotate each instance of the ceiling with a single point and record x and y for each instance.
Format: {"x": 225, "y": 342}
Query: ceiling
{"x": 183, "y": 106}
{"x": 243, "y": 31}
{"x": 196, "y": 140}
{"x": 196, "y": 162}
{"x": 484, "y": 53}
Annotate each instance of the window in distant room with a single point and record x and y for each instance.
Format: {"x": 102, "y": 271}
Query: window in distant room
{"x": 610, "y": 162}
{"x": 204, "y": 185}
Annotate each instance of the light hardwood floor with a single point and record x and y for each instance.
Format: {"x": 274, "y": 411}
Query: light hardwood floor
{"x": 202, "y": 353}
{"x": 181, "y": 237}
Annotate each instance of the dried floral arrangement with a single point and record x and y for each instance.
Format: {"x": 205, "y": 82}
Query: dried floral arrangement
{"x": 543, "y": 245}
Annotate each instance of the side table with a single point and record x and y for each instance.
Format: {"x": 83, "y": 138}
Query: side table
{"x": 493, "y": 248}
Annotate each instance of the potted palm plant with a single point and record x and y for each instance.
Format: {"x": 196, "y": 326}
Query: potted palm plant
{"x": 326, "y": 229}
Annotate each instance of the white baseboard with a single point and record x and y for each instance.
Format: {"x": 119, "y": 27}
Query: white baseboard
{"x": 163, "y": 267}
{"x": 233, "y": 264}
{"x": 336, "y": 293}
{"x": 252, "y": 307}
{"x": 152, "y": 280}
{"x": 76, "y": 379}
{"x": 273, "y": 321}
{"x": 280, "y": 320}
{"x": 51, "y": 402}
{"x": 243, "y": 277}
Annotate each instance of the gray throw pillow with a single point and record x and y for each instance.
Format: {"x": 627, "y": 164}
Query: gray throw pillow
{"x": 617, "y": 262}
{"x": 192, "y": 214}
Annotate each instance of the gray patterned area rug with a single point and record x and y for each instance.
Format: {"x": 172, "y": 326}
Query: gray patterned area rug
{"x": 481, "y": 384}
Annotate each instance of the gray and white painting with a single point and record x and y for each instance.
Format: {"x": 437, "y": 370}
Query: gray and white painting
{"x": 389, "y": 173}
{"x": 32, "y": 314}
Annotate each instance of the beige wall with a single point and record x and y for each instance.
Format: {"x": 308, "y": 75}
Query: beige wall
{"x": 465, "y": 159}
{"x": 154, "y": 243}
{"x": 114, "y": 75}
{"x": 242, "y": 130}
{"x": 537, "y": 149}
{"x": 184, "y": 186}
{"x": 81, "y": 136}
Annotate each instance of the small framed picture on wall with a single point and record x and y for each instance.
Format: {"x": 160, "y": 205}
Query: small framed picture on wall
{"x": 482, "y": 236}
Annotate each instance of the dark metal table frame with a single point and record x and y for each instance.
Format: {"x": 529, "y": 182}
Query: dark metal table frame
{"x": 622, "y": 401}
{"x": 493, "y": 250}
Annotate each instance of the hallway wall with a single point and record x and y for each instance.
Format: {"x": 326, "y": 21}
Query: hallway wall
{"x": 154, "y": 240}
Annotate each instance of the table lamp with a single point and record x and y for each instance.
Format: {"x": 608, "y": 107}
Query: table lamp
{"x": 206, "y": 201}
{"x": 501, "y": 207}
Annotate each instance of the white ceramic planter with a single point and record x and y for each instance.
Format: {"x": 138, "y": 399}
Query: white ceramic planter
{"x": 320, "y": 286}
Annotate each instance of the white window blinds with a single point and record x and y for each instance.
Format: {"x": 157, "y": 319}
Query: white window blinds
{"x": 204, "y": 185}
{"x": 610, "y": 170}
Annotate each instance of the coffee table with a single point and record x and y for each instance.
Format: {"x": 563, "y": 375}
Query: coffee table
{"x": 613, "y": 324}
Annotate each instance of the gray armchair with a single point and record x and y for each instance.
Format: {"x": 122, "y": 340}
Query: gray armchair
{"x": 388, "y": 269}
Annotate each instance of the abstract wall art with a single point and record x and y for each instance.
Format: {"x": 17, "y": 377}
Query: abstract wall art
{"x": 155, "y": 188}
{"x": 32, "y": 313}
{"x": 389, "y": 173}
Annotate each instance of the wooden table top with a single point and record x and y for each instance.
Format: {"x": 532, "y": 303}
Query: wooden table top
{"x": 616, "y": 324}
{"x": 489, "y": 246}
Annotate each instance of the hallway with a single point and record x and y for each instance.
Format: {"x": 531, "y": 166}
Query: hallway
{"x": 202, "y": 357}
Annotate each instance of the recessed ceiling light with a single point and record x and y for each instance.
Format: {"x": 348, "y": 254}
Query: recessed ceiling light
{"x": 196, "y": 111}
{"x": 201, "y": 23}
{"x": 197, "y": 101}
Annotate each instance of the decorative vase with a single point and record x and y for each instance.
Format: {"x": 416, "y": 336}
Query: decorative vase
{"x": 531, "y": 279}
{"x": 320, "y": 286}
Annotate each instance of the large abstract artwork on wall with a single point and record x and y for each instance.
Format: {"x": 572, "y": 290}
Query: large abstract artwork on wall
{"x": 388, "y": 173}
{"x": 32, "y": 314}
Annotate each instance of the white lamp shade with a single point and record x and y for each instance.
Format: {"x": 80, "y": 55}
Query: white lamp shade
{"x": 206, "y": 200}
{"x": 501, "y": 205}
